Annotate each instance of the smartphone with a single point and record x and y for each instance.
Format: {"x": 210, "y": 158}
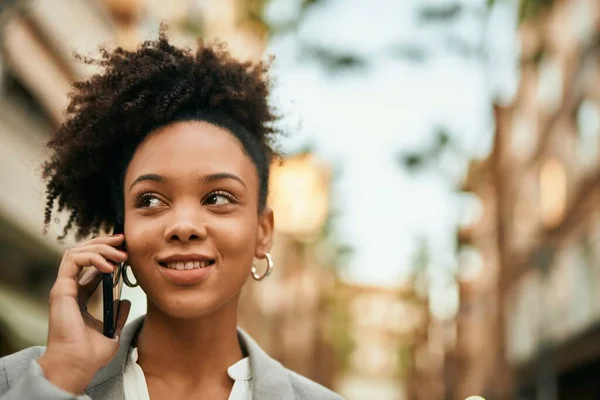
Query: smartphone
{"x": 111, "y": 291}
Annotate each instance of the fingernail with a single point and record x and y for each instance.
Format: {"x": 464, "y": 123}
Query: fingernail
{"x": 116, "y": 234}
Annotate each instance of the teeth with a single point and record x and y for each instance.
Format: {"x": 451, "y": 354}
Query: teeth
{"x": 180, "y": 265}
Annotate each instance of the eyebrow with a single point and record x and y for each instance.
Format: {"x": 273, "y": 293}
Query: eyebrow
{"x": 147, "y": 177}
{"x": 221, "y": 176}
{"x": 205, "y": 179}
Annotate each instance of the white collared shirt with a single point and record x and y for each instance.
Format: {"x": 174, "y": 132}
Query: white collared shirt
{"x": 134, "y": 381}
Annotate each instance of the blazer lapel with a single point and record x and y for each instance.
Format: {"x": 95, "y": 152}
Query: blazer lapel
{"x": 270, "y": 379}
{"x": 108, "y": 382}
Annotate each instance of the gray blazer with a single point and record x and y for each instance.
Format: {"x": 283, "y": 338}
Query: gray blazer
{"x": 21, "y": 378}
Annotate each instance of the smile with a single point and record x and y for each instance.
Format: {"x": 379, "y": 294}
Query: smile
{"x": 187, "y": 265}
{"x": 186, "y": 269}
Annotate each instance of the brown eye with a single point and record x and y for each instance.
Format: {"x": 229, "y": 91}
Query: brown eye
{"x": 149, "y": 201}
{"x": 218, "y": 199}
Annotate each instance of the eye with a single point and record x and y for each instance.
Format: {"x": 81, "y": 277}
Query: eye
{"x": 148, "y": 200}
{"x": 219, "y": 199}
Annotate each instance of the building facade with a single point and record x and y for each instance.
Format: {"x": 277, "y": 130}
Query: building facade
{"x": 36, "y": 67}
{"x": 531, "y": 309}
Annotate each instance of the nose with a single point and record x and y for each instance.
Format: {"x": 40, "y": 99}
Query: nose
{"x": 185, "y": 228}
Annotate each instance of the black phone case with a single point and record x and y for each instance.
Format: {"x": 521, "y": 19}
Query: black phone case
{"x": 108, "y": 304}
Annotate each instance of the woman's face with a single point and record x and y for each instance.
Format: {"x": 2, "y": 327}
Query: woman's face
{"x": 192, "y": 224}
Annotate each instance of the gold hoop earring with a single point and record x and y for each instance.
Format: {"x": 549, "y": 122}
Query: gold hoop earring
{"x": 126, "y": 277}
{"x": 270, "y": 266}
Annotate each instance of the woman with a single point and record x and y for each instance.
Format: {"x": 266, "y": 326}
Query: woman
{"x": 178, "y": 146}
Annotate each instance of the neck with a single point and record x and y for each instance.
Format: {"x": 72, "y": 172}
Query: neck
{"x": 197, "y": 349}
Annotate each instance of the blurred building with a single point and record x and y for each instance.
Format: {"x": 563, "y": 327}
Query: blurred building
{"x": 36, "y": 42}
{"x": 384, "y": 327}
{"x": 428, "y": 352}
{"x": 529, "y": 321}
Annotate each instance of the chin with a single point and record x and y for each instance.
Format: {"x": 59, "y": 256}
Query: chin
{"x": 190, "y": 307}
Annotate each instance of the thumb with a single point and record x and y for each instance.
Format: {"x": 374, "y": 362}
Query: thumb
{"x": 123, "y": 313}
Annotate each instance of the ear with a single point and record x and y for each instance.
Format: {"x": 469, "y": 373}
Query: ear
{"x": 264, "y": 233}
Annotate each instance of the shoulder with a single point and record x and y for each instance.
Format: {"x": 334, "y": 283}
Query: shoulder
{"x": 14, "y": 365}
{"x": 304, "y": 388}
{"x": 274, "y": 381}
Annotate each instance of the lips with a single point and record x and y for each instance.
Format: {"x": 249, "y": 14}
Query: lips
{"x": 187, "y": 265}
{"x": 185, "y": 262}
{"x": 188, "y": 269}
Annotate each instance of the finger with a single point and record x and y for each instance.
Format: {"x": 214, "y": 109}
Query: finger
{"x": 124, "y": 308}
{"x": 114, "y": 241}
{"x": 110, "y": 240}
{"x": 73, "y": 263}
{"x": 86, "y": 275}
{"x": 87, "y": 288}
{"x": 107, "y": 251}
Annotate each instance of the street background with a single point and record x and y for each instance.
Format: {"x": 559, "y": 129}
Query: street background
{"x": 438, "y": 211}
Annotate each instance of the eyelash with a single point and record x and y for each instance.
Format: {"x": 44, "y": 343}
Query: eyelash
{"x": 143, "y": 195}
{"x": 229, "y": 196}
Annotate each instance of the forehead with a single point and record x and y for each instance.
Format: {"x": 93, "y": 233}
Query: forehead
{"x": 191, "y": 148}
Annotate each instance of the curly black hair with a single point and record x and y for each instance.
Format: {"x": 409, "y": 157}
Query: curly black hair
{"x": 138, "y": 92}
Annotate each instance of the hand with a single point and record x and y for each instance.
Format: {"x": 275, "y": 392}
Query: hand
{"x": 77, "y": 347}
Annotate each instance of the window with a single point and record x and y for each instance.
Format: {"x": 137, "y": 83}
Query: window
{"x": 550, "y": 81}
{"x": 12, "y": 89}
{"x": 553, "y": 191}
{"x": 524, "y": 136}
{"x": 588, "y": 131}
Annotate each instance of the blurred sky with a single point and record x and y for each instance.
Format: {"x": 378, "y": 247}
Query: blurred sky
{"x": 361, "y": 120}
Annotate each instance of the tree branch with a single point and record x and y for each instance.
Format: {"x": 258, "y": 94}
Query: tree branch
{"x": 572, "y": 97}
{"x": 575, "y": 214}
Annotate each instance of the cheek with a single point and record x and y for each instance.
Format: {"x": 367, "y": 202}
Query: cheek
{"x": 235, "y": 238}
{"x": 141, "y": 237}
